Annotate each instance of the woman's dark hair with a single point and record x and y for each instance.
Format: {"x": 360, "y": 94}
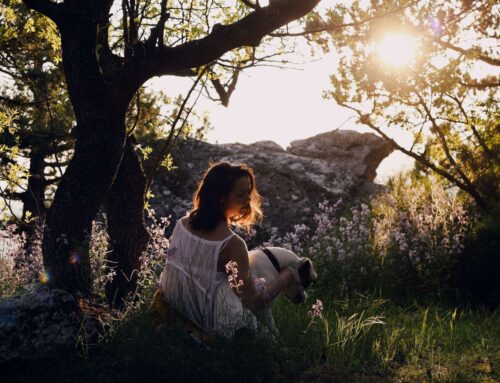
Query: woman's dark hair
{"x": 217, "y": 183}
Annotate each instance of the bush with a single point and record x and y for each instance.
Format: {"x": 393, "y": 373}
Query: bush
{"x": 20, "y": 265}
{"x": 420, "y": 228}
{"x": 404, "y": 243}
{"x": 480, "y": 262}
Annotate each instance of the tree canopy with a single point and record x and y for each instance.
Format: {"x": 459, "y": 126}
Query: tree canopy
{"x": 430, "y": 68}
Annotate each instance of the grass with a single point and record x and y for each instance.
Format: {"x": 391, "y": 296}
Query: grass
{"x": 359, "y": 340}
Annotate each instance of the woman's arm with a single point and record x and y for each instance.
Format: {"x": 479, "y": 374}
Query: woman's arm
{"x": 251, "y": 298}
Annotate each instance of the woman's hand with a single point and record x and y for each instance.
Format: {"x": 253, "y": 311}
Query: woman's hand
{"x": 244, "y": 284}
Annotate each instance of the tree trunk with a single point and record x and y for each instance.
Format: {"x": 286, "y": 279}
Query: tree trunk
{"x": 126, "y": 226}
{"x": 34, "y": 197}
{"x": 100, "y": 140}
{"x": 77, "y": 200}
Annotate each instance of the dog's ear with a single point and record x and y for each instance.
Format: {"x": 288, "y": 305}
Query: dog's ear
{"x": 306, "y": 272}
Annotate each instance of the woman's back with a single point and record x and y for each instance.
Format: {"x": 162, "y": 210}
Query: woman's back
{"x": 190, "y": 278}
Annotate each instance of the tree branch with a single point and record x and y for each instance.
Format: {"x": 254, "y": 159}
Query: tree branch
{"x": 16, "y": 103}
{"x": 481, "y": 84}
{"x": 420, "y": 158}
{"x": 331, "y": 28}
{"x": 54, "y": 11}
{"x": 475, "y": 51}
{"x": 248, "y": 31}
{"x": 163, "y": 151}
{"x": 470, "y": 188}
{"x": 157, "y": 30}
{"x": 249, "y": 4}
{"x": 224, "y": 94}
{"x": 475, "y": 132}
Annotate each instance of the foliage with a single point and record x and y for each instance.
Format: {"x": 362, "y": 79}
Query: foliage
{"x": 36, "y": 117}
{"x": 406, "y": 244}
{"x": 446, "y": 97}
{"x": 480, "y": 262}
{"x": 19, "y": 267}
{"x": 33, "y": 95}
{"x": 349, "y": 337}
{"x": 420, "y": 228}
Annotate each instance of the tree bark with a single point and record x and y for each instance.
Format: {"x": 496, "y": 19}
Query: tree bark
{"x": 100, "y": 139}
{"x": 34, "y": 197}
{"x": 126, "y": 226}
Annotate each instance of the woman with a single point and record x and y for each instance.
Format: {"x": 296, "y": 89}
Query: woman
{"x": 201, "y": 246}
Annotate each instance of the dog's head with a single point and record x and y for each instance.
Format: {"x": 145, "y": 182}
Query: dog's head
{"x": 296, "y": 291}
{"x": 303, "y": 269}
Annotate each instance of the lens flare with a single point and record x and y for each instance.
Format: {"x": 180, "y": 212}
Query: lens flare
{"x": 434, "y": 26}
{"x": 397, "y": 49}
{"x": 74, "y": 258}
{"x": 44, "y": 277}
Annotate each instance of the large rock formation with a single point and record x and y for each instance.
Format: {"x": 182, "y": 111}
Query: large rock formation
{"x": 329, "y": 166}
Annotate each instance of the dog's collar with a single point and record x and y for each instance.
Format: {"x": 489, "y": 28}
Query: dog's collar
{"x": 272, "y": 258}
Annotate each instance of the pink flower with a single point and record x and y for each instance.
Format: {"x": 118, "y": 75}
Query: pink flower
{"x": 232, "y": 278}
{"x": 260, "y": 284}
{"x": 316, "y": 310}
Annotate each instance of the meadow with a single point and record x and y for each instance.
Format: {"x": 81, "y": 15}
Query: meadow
{"x": 397, "y": 300}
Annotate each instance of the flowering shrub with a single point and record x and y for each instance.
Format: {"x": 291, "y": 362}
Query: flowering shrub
{"x": 153, "y": 259}
{"x": 420, "y": 229}
{"x": 339, "y": 242}
{"x": 102, "y": 271}
{"x": 20, "y": 264}
{"x": 404, "y": 241}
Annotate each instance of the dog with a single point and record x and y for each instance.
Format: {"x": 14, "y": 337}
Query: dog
{"x": 264, "y": 263}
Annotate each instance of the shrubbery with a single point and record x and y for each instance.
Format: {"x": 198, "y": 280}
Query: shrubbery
{"x": 416, "y": 241}
{"x": 480, "y": 262}
{"x": 21, "y": 266}
{"x": 405, "y": 244}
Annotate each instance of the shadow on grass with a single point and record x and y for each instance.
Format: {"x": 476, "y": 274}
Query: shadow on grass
{"x": 413, "y": 344}
{"x": 137, "y": 352}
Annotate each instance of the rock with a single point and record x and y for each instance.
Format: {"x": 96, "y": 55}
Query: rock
{"x": 292, "y": 182}
{"x": 359, "y": 153}
{"x": 38, "y": 322}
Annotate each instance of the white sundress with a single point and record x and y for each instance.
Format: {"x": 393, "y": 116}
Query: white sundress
{"x": 192, "y": 285}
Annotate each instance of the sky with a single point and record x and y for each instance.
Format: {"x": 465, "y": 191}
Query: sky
{"x": 282, "y": 105}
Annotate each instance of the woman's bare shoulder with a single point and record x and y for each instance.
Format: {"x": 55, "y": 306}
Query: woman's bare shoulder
{"x": 236, "y": 245}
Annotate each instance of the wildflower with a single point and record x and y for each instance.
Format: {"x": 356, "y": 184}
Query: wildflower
{"x": 232, "y": 271}
{"x": 316, "y": 310}
{"x": 260, "y": 283}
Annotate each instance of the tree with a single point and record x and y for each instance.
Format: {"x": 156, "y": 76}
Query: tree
{"x": 40, "y": 119}
{"x": 446, "y": 96}
{"x": 104, "y": 69}
{"x": 33, "y": 94}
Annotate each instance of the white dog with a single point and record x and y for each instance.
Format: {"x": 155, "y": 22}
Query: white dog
{"x": 266, "y": 264}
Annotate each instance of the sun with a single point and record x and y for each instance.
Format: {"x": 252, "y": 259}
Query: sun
{"x": 397, "y": 49}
